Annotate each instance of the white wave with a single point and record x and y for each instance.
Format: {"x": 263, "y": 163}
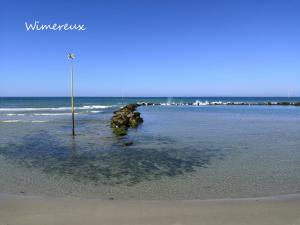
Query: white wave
{"x": 23, "y": 109}
{"x": 15, "y": 114}
{"x": 199, "y": 103}
{"x": 217, "y": 103}
{"x": 196, "y": 103}
{"x": 23, "y": 121}
{"x": 56, "y": 108}
{"x": 11, "y": 121}
{"x": 52, "y": 114}
{"x": 95, "y": 111}
{"x": 95, "y": 107}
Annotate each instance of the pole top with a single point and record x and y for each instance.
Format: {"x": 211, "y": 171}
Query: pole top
{"x": 71, "y": 56}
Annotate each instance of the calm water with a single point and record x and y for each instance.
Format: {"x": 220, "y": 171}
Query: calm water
{"x": 179, "y": 152}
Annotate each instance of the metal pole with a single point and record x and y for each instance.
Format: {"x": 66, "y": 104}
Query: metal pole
{"x": 72, "y": 97}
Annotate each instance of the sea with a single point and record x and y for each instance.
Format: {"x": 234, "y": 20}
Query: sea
{"x": 179, "y": 151}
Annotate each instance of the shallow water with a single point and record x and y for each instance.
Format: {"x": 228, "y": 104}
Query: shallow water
{"x": 179, "y": 152}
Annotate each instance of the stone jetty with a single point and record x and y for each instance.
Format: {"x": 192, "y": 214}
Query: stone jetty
{"x": 204, "y": 103}
{"x": 124, "y": 118}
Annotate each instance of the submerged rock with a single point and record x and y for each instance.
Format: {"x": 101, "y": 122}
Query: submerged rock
{"x": 128, "y": 143}
{"x": 125, "y": 118}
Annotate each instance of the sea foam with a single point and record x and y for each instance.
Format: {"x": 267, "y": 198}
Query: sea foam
{"x": 56, "y": 108}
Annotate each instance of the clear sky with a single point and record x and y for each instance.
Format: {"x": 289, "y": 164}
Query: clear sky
{"x": 152, "y": 48}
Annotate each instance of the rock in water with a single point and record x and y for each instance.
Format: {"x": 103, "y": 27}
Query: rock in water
{"x": 128, "y": 143}
{"x": 125, "y": 118}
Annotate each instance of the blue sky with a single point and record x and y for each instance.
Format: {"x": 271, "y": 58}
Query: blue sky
{"x": 152, "y": 48}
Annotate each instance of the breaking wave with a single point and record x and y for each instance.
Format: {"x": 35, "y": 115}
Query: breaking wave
{"x": 55, "y": 108}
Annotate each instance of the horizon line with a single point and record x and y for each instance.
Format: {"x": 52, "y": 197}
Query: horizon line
{"x": 150, "y": 96}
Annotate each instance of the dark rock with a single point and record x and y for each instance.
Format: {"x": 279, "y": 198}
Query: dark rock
{"x": 131, "y": 107}
{"x": 284, "y": 103}
{"x": 120, "y": 131}
{"x": 297, "y": 104}
{"x": 128, "y": 143}
{"x": 125, "y": 118}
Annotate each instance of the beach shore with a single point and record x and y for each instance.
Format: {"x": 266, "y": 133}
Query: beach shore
{"x": 29, "y": 210}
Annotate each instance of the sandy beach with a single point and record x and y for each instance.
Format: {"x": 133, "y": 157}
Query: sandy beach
{"x": 28, "y": 210}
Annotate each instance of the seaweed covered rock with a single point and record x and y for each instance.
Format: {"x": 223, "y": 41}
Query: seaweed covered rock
{"x": 125, "y": 118}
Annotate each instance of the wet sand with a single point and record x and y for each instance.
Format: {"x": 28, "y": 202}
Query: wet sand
{"x": 28, "y": 210}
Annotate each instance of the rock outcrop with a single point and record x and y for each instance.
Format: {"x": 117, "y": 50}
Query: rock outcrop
{"x": 126, "y": 117}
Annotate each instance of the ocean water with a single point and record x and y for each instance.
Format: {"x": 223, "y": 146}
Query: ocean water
{"x": 179, "y": 152}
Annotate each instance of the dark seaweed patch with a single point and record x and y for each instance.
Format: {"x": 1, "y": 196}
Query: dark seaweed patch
{"x": 116, "y": 165}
